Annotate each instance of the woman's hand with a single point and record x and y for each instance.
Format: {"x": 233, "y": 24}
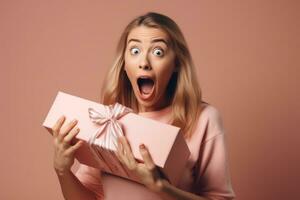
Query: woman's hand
{"x": 147, "y": 171}
{"x": 64, "y": 148}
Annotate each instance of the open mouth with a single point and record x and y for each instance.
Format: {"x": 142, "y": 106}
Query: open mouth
{"x": 146, "y": 86}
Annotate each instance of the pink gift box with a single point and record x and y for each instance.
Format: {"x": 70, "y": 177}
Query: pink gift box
{"x": 166, "y": 145}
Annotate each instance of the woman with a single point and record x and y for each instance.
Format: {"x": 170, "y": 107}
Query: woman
{"x": 154, "y": 75}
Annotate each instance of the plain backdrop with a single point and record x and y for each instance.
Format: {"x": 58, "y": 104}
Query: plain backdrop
{"x": 246, "y": 54}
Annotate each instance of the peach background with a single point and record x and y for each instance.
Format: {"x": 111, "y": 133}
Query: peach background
{"x": 247, "y": 54}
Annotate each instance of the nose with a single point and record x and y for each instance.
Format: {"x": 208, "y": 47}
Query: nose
{"x": 144, "y": 63}
{"x": 145, "y": 67}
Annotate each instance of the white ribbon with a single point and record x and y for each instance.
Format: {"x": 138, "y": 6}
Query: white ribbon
{"x": 110, "y": 128}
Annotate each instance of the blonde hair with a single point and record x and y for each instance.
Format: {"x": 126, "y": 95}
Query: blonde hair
{"x": 183, "y": 88}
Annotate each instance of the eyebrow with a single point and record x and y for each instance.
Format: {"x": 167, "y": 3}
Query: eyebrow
{"x": 153, "y": 41}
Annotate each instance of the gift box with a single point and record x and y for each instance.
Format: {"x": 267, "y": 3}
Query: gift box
{"x": 101, "y": 125}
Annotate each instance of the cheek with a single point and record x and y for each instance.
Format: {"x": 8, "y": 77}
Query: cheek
{"x": 130, "y": 70}
{"x": 167, "y": 63}
{"x": 129, "y": 73}
{"x": 166, "y": 67}
{"x": 164, "y": 78}
{"x": 130, "y": 63}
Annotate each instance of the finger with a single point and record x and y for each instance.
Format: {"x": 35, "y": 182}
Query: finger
{"x": 132, "y": 164}
{"x": 72, "y": 149}
{"x": 116, "y": 153}
{"x": 128, "y": 151}
{"x": 149, "y": 162}
{"x": 119, "y": 149}
{"x": 55, "y": 129}
{"x": 67, "y": 139}
{"x": 126, "y": 146}
{"x": 120, "y": 153}
{"x": 147, "y": 157}
{"x": 124, "y": 157}
{"x": 66, "y": 129}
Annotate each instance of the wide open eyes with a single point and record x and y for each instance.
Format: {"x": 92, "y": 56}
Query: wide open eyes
{"x": 157, "y": 51}
{"x": 134, "y": 51}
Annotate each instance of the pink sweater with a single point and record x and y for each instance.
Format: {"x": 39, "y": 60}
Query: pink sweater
{"x": 206, "y": 174}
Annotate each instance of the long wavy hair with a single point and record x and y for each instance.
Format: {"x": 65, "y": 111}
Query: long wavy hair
{"x": 183, "y": 88}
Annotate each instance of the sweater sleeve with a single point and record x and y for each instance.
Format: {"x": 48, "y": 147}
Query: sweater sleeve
{"x": 91, "y": 178}
{"x": 212, "y": 175}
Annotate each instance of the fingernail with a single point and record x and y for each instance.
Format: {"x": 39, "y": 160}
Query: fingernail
{"x": 74, "y": 120}
{"x": 142, "y": 146}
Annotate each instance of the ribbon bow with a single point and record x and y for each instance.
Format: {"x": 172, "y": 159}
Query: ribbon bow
{"x": 110, "y": 128}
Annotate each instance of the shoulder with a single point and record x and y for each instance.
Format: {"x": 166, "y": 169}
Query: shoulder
{"x": 210, "y": 123}
{"x": 211, "y": 114}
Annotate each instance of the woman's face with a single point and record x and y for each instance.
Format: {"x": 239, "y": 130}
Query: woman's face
{"x": 149, "y": 64}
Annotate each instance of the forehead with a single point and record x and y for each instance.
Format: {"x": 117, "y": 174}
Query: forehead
{"x": 145, "y": 33}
